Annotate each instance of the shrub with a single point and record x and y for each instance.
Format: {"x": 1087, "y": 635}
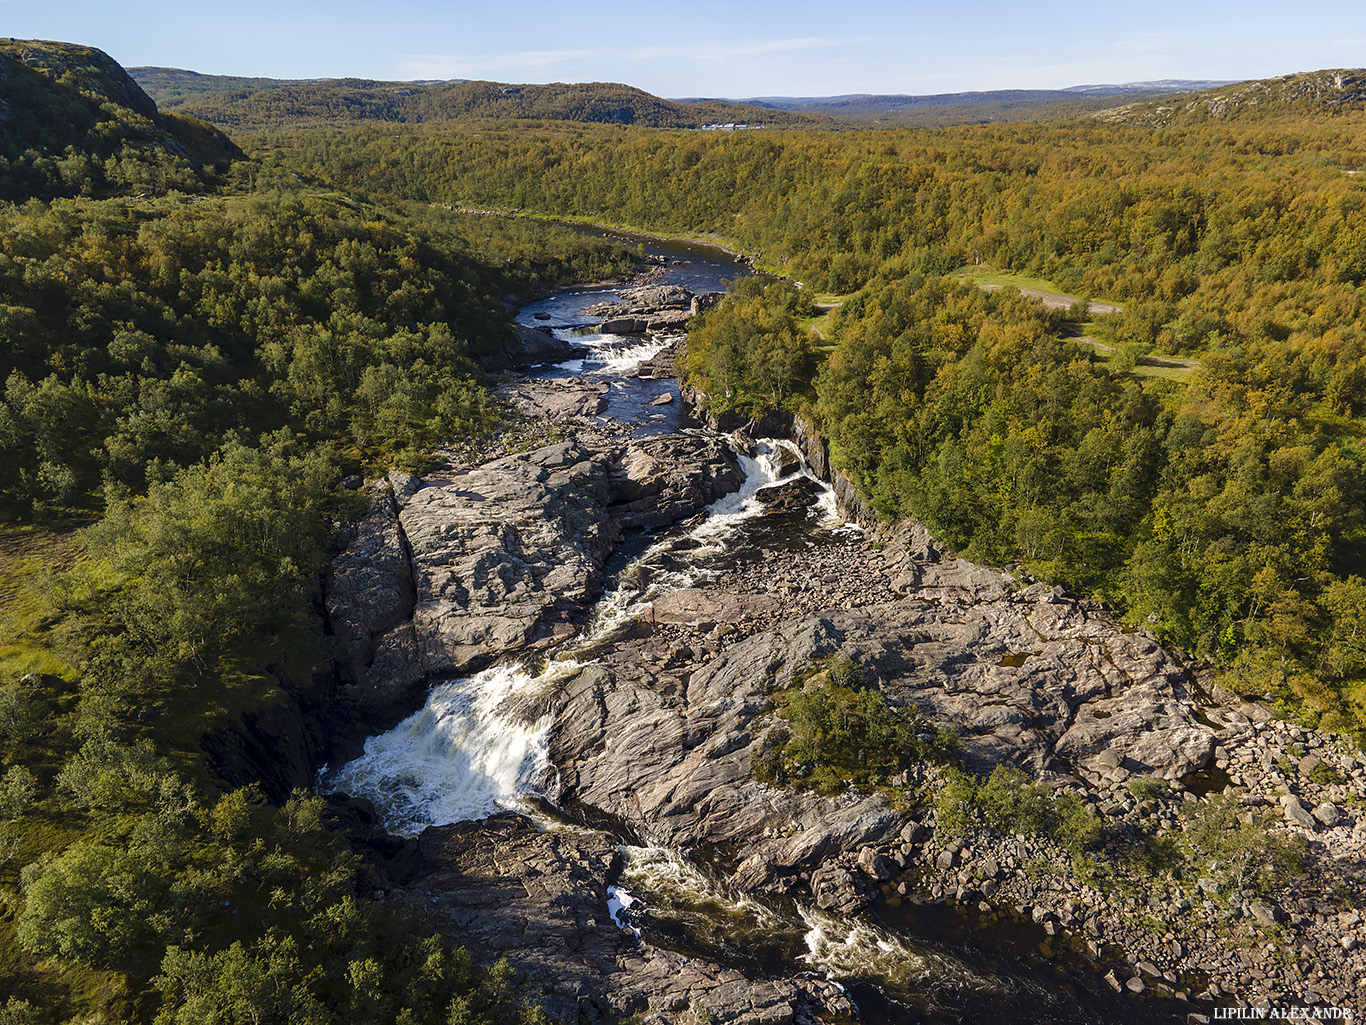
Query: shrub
{"x": 841, "y": 732}
{"x": 90, "y": 905}
{"x": 17, "y": 790}
{"x": 1147, "y": 788}
{"x": 18, "y": 1012}
{"x": 1251, "y": 855}
{"x": 22, "y": 716}
{"x": 766, "y": 760}
{"x": 1007, "y": 801}
{"x": 1325, "y": 775}
{"x": 956, "y": 805}
{"x": 1013, "y": 804}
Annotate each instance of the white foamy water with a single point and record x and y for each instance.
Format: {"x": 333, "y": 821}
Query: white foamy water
{"x": 612, "y": 355}
{"x": 619, "y": 899}
{"x": 670, "y": 886}
{"x": 478, "y": 745}
{"x": 467, "y": 753}
{"x": 845, "y": 948}
{"x": 666, "y": 876}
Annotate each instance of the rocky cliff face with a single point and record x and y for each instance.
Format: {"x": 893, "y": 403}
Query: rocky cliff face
{"x": 486, "y": 558}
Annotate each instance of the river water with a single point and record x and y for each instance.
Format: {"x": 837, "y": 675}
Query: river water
{"x": 475, "y": 749}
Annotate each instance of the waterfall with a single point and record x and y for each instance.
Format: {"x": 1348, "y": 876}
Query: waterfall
{"x": 478, "y": 745}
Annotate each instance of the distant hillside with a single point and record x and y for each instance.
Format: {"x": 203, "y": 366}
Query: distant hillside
{"x": 237, "y": 104}
{"x": 968, "y": 107}
{"x": 73, "y": 122}
{"x": 1310, "y": 92}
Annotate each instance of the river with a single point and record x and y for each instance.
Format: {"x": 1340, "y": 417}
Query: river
{"x": 472, "y": 750}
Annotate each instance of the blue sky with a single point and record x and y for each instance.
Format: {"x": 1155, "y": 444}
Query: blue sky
{"x": 716, "y": 47}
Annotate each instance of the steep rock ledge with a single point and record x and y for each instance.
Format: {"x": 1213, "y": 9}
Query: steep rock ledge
{"x": 485, "y": 558}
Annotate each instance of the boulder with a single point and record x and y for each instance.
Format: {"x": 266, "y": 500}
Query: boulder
{"x": 876, "y": 866}
{"x": 836, "y": 889}
{"x": 661, "y": 366}
{"x": 790, "y": 496}
{"x": 555, "y": 399}
{"x": 1328, "y": 814}
{"x": 648, "y": 308}
{"x": 445, "y": 573}
{"x": 1297, "y": 814}
{"x": 666, "y": 478}
{"x": 1264, "y": 914}
{"x": 530, "y": 346}
{"x": 694, "y": 606}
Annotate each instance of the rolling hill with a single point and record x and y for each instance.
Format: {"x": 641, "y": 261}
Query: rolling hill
{"x": 72, "y": 122}
{"x": 241, "y": 104}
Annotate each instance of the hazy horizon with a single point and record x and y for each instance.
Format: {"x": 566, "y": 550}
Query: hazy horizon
{"x": 716, "y": 49}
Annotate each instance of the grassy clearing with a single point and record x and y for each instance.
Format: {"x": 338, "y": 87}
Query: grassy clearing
{"x": 29, "y": 555}
{"x": 827, "y": 309}
{"x": 1171, "y": 368}
{"x": 986, "y": 276}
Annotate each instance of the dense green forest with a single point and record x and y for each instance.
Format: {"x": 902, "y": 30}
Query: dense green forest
{"x": 1221, "y": 507}
{"x": 194, "y": 353}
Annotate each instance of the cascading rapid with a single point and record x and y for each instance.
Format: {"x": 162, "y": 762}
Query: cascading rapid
{"x": 478, "y": 745}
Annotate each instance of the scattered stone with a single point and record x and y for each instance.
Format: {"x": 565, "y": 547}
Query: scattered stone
{"x": 875, "y": 865}
{"x": 1264, "y": 913}
{"x": 1297, "y": 814}
{"x": 1328, "y": 814}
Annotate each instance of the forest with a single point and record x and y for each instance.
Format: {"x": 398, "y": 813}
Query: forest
{"x": 247, "y": 104}
{"x": 1221, "y": 509}
{"x": 201, "y": 339}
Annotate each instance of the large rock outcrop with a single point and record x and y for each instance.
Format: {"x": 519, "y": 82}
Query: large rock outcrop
{"x": 667, "y": 478}
{"x": 556, "y": 398}
{"x": 668, "y": 749}
{"x": 662, "y": 731}
{"x": 508, "y": 554}
{"x": 649, "y": 308}
{"x": 446, "y": 573}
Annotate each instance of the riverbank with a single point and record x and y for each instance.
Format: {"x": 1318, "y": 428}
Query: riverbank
{"x": 732, "y": 249}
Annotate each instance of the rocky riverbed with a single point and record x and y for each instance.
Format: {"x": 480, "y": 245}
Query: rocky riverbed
{"x": 1091, "y": 707}
{"x": 650, "y": 732}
